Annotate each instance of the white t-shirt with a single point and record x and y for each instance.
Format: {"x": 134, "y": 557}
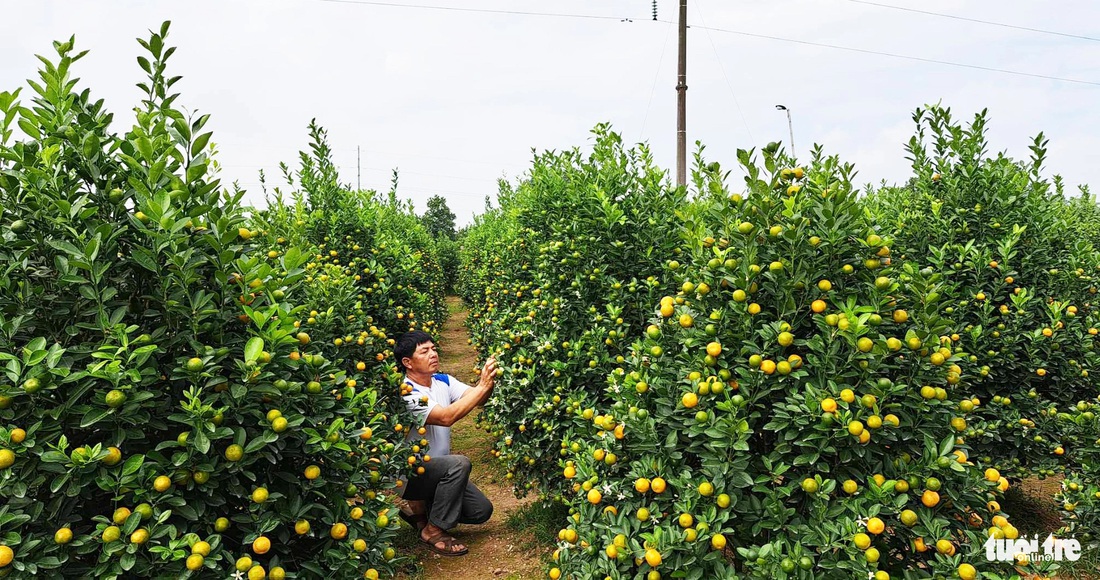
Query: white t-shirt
{"x": 425, "y": 398}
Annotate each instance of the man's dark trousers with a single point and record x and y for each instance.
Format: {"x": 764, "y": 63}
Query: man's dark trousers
{"x": 452, "y": 498}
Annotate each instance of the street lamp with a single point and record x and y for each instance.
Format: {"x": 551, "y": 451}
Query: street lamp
{"x": 790, "y": 126}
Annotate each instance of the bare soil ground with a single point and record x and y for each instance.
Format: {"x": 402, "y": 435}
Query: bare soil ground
{"x": 496, "y": 551}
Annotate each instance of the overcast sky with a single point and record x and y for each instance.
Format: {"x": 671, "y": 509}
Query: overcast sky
{"x": 457, "y": 99}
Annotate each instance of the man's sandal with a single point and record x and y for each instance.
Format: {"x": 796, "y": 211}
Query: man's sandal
{"x": 417, "y": 521}
{"x": 448, "y": 545}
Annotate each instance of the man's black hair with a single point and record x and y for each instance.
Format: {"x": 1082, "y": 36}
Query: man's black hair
{"x": 406, "y": 345}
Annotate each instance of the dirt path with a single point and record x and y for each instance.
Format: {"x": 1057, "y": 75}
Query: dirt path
{"x": 496, "y": 550}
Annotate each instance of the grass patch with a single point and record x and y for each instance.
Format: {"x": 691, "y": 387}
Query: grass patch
{"x": 455, "y": 305}
{"x": 406, "y": 541}
{"x": 1084, "y": 569}
{"x": 542, "y": 519}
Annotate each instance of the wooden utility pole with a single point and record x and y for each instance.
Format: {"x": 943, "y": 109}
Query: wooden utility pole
{"x": 358, "y": 170}
{"x": 681, "y": 101}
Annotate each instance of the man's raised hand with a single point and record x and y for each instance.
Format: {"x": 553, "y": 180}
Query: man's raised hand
{"x": 488, "y": 372}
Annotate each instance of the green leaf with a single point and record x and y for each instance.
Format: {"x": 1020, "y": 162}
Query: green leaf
{"x": 132, "y": 465}
{"x": 145, "y": 147}
{"x": 58, "y": 483}
{"x": 255, "y": 445}
{"x": 188, "y": 512}
{"x": 145, "y": 259}
{"x": 36, "y": 357}
{"x": 947, "y": 445}
{"x": 29, "y": 128}
{"x": 66, "y": 247}
{"x": 200, "y": 143}
{"x": 54, "y": 457}
{"x": 94, "y": 416}
{"x": 132, "y": 522}
{"x": 127, "y": 561}
{"x": 253, "y": 349}
{"x": 195, "y": 171}
{"x": 201, "y": 442}
{"x": 91, "y": 146}
{"x": 56, "y": 352}
{"x": 741, "y": 479}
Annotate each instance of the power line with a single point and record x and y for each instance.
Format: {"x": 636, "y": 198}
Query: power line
{"x": 401, "y": 189}
{"x": 781, "y": 39}
{"x": 294, "y": 158}
{"x": 901, "y": 56}
{"x": 656, "y": 77}
{"x": 963, "y": 18}
{"x": 380, "y": 170}
{"x": 481, "y": 10}
{"x": 722, "y": 67}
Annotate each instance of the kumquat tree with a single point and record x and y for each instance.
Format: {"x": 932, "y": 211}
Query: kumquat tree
{"x": 165, "y": 409}
{"x": 800, "y": 402}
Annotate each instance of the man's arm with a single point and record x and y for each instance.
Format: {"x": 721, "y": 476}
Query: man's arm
{"x": 478, "y": 394}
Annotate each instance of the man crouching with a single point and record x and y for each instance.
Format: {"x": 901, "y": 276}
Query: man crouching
{"x": 443, "y": 496}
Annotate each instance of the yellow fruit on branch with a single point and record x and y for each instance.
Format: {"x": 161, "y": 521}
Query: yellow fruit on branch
{"x": 945, "y": 547}
{"x": 201, "y": 547}
{"x": 195, "y": 562}
{"x": 7, "y": 458}
{"x": 261, "y": 545}
{"x": 63, "y": 536}
{"x": 862, "y": 541}
{"x": 718, "y": 541}
{"x": 140, "y": 536}
{"x": 689, "y": 400}
{"x": 121, "y": 515}
{"x": 234, "y": 452}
